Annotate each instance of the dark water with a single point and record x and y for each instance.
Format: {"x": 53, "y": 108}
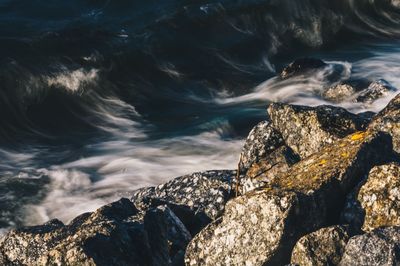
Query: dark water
{"x": 98, "y": 98}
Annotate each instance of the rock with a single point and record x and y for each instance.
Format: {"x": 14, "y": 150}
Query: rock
{"x": 379, "y": 247}
{"x": 339, "y": 93}
{"x": 116, "y": 234}
{"x": 263, "y": 139}
{"x": 375, "y": 90}
{"x": 261, "y": 227}
{"x": 379, "y": 197}
{"x": 307, "y": 129}
{"x": 196, "y": 199}
{"x": 299, "y": 66}
{"x": 388, "y": 120}
{"x": 263, "y": 172}
{"x": 323, "y": 247}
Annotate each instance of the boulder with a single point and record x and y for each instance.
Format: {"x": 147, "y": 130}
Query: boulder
{"x": 339, "y": 93}
{"x": 379, "y": 247}
{"x": 388, "y": 120}
{"x": 116, "y": 234}
{"x": 307, "y": 129}
{"x": 299, "y": 66}
{"x": 323, "y": 247}
{"x": 375, "y": 90}
{"x": 196, "y": 199}
{"x": 261, "y": 227}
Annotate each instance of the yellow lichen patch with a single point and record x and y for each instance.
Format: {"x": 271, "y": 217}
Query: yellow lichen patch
{"x": 322, "y": 162}
{"x": 358, "y": 136}
{"x": 345, "y": 154}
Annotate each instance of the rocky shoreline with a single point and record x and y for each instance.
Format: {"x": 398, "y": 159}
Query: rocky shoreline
{"x": 314, "y": 186}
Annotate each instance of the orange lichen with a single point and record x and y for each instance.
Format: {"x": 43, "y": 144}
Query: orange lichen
{"x": 358, "y": 136}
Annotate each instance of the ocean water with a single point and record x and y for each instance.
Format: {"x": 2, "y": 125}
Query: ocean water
{"x": 99, "y": 98}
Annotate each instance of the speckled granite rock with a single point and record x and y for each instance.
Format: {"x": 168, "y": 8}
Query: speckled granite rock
{"x": 388, "y": 120}
{"x": 300, "y": 66}
{"x": 307, "y": 129}
{"x": 266, "y": 170}
{"x": 113, "y": 235}
{"x": 261, "y": 227}
{"x": 196, "y": 199}
{"x": 323, "y": 247}
{"x": 379, "y": 248}
{"x": 263, "y": 139}
{"x": 375, "y": 90}
{"x": 339, "y": 93}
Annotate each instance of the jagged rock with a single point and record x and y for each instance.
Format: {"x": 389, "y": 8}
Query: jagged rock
{"x": 196, "y": 199}
{"x": 307, "y": 129}
{"x": 323, "y": 247}
{"x": 388, "y": 120}
{"x": 300, "y": 66}
{"x": 263, "y": 172}
{"x": 375, "y": 90}
{"x": 339, "y": 93}
{"x": 115, "y": 234}
{"x": 263, "y": 139}
{"x": 261, "y": 227}
{"x": 378, "y": 248}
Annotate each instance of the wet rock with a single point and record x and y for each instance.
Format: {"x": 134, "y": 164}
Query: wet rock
{"x": 116, "y": 234}
{"x": 261, "y": 227}
{"x": 339, "y": 93}
{"x": 323, "y": 247}
{"x": 299, "y": 66}
{"x": 263, "y": 139}
{"x": 307, "y": 129}
{"x": 388, "y": 120}
{"x": 196, "y": 199}
{"x": 375, "y": 90}
{"x": 263, "y": 172}
{"x": 380, "y": 247}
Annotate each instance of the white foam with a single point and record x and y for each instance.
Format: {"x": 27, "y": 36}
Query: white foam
{"x": 73, "y": 80}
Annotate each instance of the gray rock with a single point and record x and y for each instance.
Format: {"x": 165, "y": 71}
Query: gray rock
{"x": 388, "y": 120}
{"x": 196, "y": 199}
{"x": 299, "y": 66}
{"x": 375, "y": 90}
{"x": 339, "y": 93}
{"x": 379, "y": 247}
{"x": 323, "y": 247}
{"x": 307, "y": 129}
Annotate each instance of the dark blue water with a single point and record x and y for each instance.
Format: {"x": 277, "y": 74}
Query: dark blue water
{"x": 98, "y": 98}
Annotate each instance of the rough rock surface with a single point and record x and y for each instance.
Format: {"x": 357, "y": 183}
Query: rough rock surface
{"x": 266, "y": 170}
{"x": 113, "y": 235}
{"x": 380, "y": 247}
{"x": 196, "y": 199}
{"x": 388, "y": 120}
{"x": 263, "y": 139}
{"x": 339, "y": 93}
{"x": 375, "y": 90}
{"x": 307, "y": 129}
{"x": 323, "y": 247}
{"x": 296, "y": 203}
{"x": 300, "y": 66}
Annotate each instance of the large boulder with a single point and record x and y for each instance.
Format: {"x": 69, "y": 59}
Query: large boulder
{"x": 300, "y": 66}
{"x": 388, "y": 120}
{"x": 323, "y": 247}
{"x": 379, "y": 248}
{"x": 339, "y": 93}
{"x": 261, "y": 227}
{"x": 196, "y": 199}
{"x": 307, "y": 129}
{"x": 116, "y": 234}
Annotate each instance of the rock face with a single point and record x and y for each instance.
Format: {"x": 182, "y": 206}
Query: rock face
{"x": 115, "y": 234}
{"x": 323, "y": 247}
{"x": 375, "y": 90}
{"x": 388, "y": 120}
{"x": 339, "y": 93}
{"x": 307, "y": 129}
{"x": 300, "y": 66}
{"x": 196, "y": 199}
{"x": 380, "y": 247}
{"x": 296, "y": 203}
